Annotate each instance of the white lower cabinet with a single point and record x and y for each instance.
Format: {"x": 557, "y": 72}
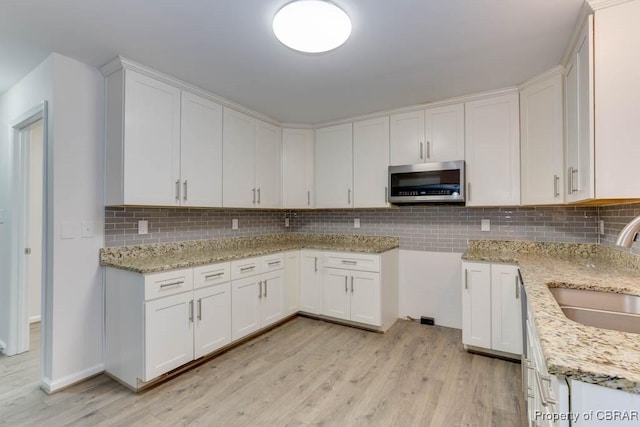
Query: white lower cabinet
{"x": 491, "y": 307}
{"x": 245, "y": 309}
{"x": 212, "y": 319}
{"x": 310, "y": 281}
{"x": 291, "y": 282}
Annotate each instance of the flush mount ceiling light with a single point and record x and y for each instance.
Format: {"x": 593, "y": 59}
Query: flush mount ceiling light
{"x": 312, "y": 26}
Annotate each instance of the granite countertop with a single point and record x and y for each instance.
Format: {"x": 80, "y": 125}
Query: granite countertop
{"x": 573, "y": 350}
{"x": 169, "y": 256}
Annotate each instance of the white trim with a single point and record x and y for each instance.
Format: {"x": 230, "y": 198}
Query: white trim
{"x": 35, "y": 319}
{"x": 585, "y": 11}
{"x": 603, "y": 4}
{"x": 557, "y": 70}
{"x": 51, "y": 386}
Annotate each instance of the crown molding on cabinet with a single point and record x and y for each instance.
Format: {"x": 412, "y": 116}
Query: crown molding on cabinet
{"x": 602, "y": 4}
{"x": 558, "y": 69}
{"x": 121, "y": 62}
{"x": 577, "y": 30}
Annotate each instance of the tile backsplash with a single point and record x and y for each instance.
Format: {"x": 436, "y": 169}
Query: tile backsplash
{"x": 427, "y": 228}
{"x": 615, "y": 218}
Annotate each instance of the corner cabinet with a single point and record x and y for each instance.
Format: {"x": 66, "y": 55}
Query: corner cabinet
{"x": 252, "y": 162}
{"x": 492, "y": 151}
{"x": 163, "y": 145}
{"x": 371, "y": 163}
{"x": 491, "y": 308}
{"x": 334, "y": 166}
{"x": 297, "y": 169}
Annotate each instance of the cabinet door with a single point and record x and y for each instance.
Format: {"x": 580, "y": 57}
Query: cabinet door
{"x": 291, "y": 282}
{"x": 168, "y": 340}
{"x": 335, "y": 293}
{"x": 212, "y": 318}
{"x": 246, "y": 296}
{"x": 151, "y": 141}
{"x": 272, "y": 305}
{"x": 238, "y": 154}
{"x": 310, "y": 282}
{"x": 334, "y": 167}
{"x": 201, "y": 152}
{"x": 506, "y": 310}
{"x": 370, "y": 163}
{"x": 541, "y": 142}
{"x": 476, "y": 304}
{"x": 297, "y": 168}
{"x": 493, "y": 151}
{"x": 365, "y": 297}
{"x": 407, "y": 138}
{"x": 268, "y": 166}
{"x": 444, "y": 133}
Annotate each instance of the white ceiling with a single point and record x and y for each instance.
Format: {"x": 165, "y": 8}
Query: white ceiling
{"x": 401, "y": 52}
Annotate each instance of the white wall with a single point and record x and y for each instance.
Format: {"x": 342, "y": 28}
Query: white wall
{"x": 36, "y": 169}
{"x": 430, "y": 286}
{"x": 73, "y": 333}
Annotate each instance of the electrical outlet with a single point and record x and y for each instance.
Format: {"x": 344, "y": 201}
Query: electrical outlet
{"x": 485, "y": 225}
{"x": 286, "y": 222}
{"x": 143, "y": 227}
{"x": 602, "y": 227}
{"x": 356, "y": 222}
{"x": 234, "y": 224}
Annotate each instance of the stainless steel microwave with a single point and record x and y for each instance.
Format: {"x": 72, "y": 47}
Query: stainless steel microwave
{"x": 441, "y": 182}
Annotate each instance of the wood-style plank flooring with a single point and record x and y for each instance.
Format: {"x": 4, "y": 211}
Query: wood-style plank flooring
{"x": 305, "y": 372}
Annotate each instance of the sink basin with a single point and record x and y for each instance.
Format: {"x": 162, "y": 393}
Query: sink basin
{"x": 608, "y": 310}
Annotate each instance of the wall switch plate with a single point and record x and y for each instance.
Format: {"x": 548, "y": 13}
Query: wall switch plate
{"x": 601, "y": 224}
{"x": 286, "y": 222}
{"x": 234, "y": 224}
{"x": 485, "y": 225}
{"x": 143, "y": 227}
{"x": 356, "y": 222}
{"x": 87, "y": 228}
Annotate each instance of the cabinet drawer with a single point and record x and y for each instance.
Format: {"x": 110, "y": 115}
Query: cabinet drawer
{"x": 213, "y": 274}
{"x": 245, "y": 268}
{"x": 167, "y": 283}
{"x": 272, "y": 262}
{"x": 352, "y": 261}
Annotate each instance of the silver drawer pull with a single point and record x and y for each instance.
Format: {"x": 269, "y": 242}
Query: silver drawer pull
{"x": 209, "y": 276}
{"x": 247, "y": 268}
{"x": 166, "y": 285}
{"x": 265, "y": 288}
{"x": 345, "y": 261}
{"x": 273, "y": 263}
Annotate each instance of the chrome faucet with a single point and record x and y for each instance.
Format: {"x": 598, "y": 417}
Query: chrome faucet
{"x": 628, "y": 233}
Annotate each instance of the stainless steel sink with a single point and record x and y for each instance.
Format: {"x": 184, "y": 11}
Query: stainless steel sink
{"x": 608, "y": 310}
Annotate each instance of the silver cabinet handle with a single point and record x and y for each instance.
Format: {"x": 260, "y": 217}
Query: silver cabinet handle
{"x": 308, "y": 198}
{"x": 258, "y": 196}
{"x": 191, "y": 311}
{"x": 265, "y": 288}
{"x": 386, "y": 194}
{"x": 545, "y": 397}
{"x": 556, "y": 189}
{"x": 210, "y": 276}
{"x": 428, "y": 150}
{"x": 351, "y": 284}
{"x": 346, "y": 289}
{"x": 260, "y": 289}
{"x": 348, "y": 262}
{"x": 184, "y": 196}
{"x": 517, "y": 288}
{"x": 466, "y": 278}
{"x": 247, "y": 268}
{"x": 254, "y": 195}
{"x": 421, "y": 150}
{"x": 315, "y": 264}
{"x": 166, "y": 285}
{"x": 177, "y": 190}
{"x": 574, "y": 185}
{"x": 570, "y": 180}
{"x": 468, "y": 191}
{"x": 349, "y": 196}
{"x": 200, "y": 309}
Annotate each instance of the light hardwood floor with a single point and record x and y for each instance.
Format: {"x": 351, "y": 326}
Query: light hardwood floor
{"x": 305, "y": 372}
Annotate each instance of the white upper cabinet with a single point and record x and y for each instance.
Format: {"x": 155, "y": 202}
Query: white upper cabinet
{"x": 252, "y": 165}
{"x": 444, "y": 133}
{"x": 541, "y": 141}
{"x": 492, "y": 151}
{"x": 297, "y": 168}
{"x": 334, "y": 166}
{"x": 268, "y": 170}
{"x": 200, "y": 152}
{"x": 142, "y": 141}
{"x": 370, "y": 163}
{"x": 407, "y": 138}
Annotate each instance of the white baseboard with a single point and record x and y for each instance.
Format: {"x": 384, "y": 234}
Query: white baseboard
{"x": 34, "y": 319}
{"x": 51, "y": 386}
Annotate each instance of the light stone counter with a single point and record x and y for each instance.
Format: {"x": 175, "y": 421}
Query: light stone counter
{"x": 169, "y": 256}
{"x": 584, "y": 353}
